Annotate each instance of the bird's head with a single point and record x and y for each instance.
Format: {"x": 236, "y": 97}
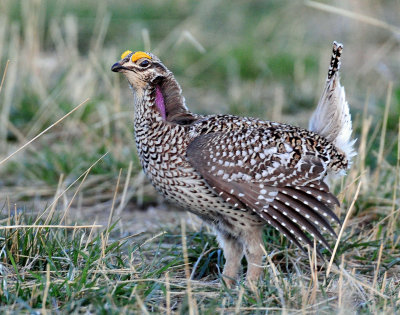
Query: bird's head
{"x": 140, "y": 68}
{"x": 148, "y": 76}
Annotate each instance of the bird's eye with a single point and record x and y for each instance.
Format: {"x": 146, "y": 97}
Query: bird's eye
{"x": 144, "y": 63}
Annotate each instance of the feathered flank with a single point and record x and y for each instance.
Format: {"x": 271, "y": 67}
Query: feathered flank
{"x": 332, "y": 119}
{"x": 277, "y": 184}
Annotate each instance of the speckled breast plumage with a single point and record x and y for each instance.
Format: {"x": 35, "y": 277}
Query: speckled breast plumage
{"x": 162, "y": 151}
{"x": 171, "y": 155}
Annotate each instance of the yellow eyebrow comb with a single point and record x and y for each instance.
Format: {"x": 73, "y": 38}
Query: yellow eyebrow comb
{"x": 125, "y": 53}
{"x": 139, "y": 54}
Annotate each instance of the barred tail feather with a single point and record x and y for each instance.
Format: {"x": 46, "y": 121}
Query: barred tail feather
{"x": 331, "y": 118}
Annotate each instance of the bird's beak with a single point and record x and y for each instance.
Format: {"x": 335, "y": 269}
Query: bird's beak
{"x": 116, "y": 67}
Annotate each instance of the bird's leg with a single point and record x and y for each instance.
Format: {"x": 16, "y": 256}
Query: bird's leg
{"x": 254, "y": 255}
{"x": 233, "y": 253}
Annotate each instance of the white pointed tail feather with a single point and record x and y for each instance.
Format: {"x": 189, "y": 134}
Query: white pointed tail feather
{"x": 332, "y": 119}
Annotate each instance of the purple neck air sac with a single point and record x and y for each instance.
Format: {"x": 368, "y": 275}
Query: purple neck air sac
{"x": 160, "y": 102}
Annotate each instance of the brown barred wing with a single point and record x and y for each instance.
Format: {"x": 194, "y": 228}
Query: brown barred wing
{"x": 262, "y": 172}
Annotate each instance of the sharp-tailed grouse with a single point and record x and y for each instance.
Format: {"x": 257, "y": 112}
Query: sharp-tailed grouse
{"x": 240, "y": 173}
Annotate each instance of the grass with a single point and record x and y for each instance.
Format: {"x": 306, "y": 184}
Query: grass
{"x": 95, "y": 269}
{"x": 81, "y": 228}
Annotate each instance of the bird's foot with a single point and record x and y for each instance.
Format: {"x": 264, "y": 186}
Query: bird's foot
{"x": 229, "y": 282}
